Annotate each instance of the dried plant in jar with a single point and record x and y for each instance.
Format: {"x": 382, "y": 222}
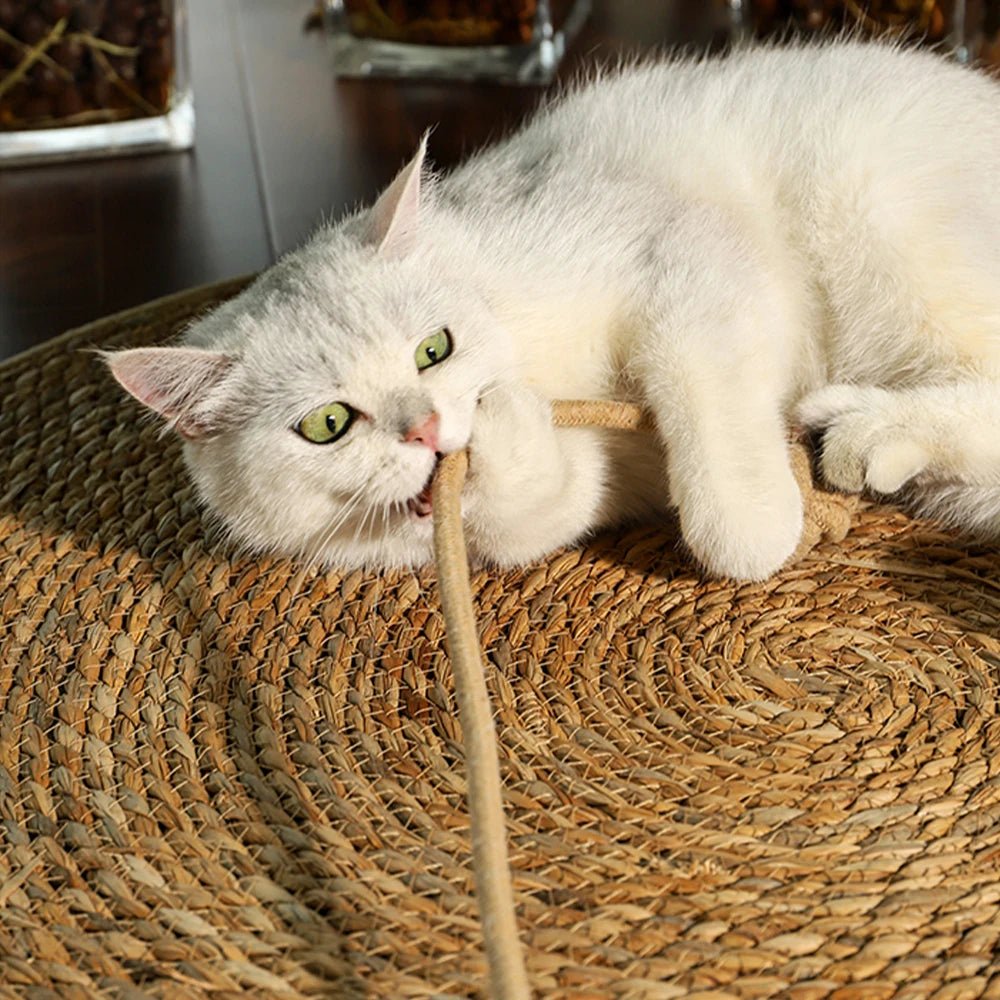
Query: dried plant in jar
{"x": 968, "y": 28}
{"x": 80, "y": 62}
{"x": 517, "y": 41}
{"x": 929, "y": 20}
{"x": 444, "y": 22}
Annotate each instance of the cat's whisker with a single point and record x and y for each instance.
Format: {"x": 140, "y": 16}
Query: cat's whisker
{"x": 359, "y": 530}
{"x": 384, "y": 513}
{"x": 499, "y": 378}
{"x": 349, "y": 508}
{"x": 312, "y": 556}
{"x": 371, "y": 529}
{"x": 488, "y": 391}
{"x": 330, "y": 530}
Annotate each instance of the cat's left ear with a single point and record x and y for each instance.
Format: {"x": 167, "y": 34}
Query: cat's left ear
{"x": 393, "y": 219}
{"x": 189, "y": 387}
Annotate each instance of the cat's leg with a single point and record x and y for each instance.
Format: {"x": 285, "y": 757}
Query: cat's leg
{"x": 729, "y": 474}
{"x": 721, "y": 344}
{"x": 531, "y": 487}
{"x": 940, "y": 442}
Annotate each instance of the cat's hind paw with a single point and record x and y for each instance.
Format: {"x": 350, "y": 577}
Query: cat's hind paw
{"x": 865, "y": 440}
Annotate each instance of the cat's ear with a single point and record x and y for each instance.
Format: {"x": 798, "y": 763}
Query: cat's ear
{"x": 393, "y": 219}
{"x": 185, "y": 385}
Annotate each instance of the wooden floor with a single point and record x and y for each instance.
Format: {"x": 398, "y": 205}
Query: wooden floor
{"x": 280, "y": 145}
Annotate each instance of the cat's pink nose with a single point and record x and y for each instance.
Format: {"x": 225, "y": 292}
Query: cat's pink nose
{"x": 425, "y": 432}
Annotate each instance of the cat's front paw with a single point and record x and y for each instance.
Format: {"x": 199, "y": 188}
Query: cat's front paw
{"x": 744, "y": 535}
{"x": 865, "y": 439}
{"x": 514, "y": 468}
{"x": 530, "y": 488}
{"x": 513, "y": 442}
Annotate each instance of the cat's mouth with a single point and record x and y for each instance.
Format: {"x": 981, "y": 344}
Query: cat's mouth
{"x": 422, "y": 505}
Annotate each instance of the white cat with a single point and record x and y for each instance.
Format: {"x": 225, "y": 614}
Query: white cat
{"x": 786, "y": 236}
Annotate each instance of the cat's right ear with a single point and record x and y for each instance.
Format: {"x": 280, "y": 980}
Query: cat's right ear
{"x": 187, "y": 386}
{"x": 393, "y": 219}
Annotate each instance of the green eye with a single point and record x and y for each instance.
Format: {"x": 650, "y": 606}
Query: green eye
{"x": 326, "y": 423}
{"x": 433, "y": 350}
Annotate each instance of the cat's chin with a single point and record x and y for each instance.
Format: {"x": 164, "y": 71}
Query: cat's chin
{"x": 422, "y": 505}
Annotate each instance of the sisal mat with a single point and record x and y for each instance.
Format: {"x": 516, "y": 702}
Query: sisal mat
{"x": 222, "y": 777}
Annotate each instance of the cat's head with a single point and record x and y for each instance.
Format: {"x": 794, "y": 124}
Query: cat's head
{"x": 315, "y": 405}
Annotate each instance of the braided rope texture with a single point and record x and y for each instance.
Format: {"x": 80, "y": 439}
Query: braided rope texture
{"x": 225, "y": 777}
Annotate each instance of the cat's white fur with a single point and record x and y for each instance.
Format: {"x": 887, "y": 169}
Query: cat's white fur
{"x": 784, "y": 236}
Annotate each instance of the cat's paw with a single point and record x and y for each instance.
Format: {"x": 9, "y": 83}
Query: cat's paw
{"x": 530, "y": 488}
{"x": 745, "y": 535}
{"x": 512, "y": 437}
{"x": 513, "y": 457}
{"x": 866, "y": 441}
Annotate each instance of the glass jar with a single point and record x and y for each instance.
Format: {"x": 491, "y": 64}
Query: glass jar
{"x": 979, "y": 33}
{"x": 970, "y": 29}
{"x": 92, "y": 77}
{"x": 517, "y": 41}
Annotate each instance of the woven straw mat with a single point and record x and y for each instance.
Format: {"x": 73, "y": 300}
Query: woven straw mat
{"x": 223, "y": 777}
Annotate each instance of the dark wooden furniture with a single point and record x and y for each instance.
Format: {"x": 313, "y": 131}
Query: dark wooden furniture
{"x": 280, "y": 144}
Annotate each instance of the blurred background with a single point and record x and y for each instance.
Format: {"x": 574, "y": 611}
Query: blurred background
{"x": 280, "y": 144}
{"x": 281, "y": 141}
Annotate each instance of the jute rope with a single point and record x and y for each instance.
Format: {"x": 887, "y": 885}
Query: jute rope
{"x": 507, "y": 975}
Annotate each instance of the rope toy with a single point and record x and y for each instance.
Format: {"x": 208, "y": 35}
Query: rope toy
{"x": 827, "y": 517}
